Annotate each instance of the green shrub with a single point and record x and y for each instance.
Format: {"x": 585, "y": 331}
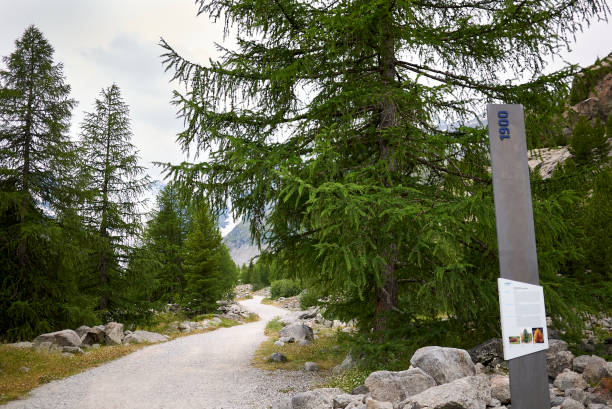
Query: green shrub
{"x": 308, "y": 298}
{"x": 284, "y": 288}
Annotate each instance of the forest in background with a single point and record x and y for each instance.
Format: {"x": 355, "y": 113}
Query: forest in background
{"x": 356, "y": 196}
{"x": 75, "y": 246}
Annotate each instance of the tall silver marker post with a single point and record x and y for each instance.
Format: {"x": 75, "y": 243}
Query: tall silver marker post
{"x": 516, "y": 238}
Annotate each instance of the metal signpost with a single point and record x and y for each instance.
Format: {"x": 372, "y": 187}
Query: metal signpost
{"x": 516, "y": 238}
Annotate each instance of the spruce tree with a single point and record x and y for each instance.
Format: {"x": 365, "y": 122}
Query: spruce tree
{"x": 323, "y": 127}
{"x": 207, "y": 280}
{"x": 40, "y": 259}
{"x": 114, "y": 184}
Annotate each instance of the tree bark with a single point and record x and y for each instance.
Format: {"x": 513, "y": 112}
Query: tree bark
{"x": 386, "y": 297}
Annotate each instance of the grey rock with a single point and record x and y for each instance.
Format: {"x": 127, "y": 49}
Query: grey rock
{"x": 356, "y": 405}
{"x": 298, "y": 332}
{"x": 342, "y": 401}
{"x": 279, "y": 343}
{"x": 376, "y": 404}
{"x": 21, "y": 345}
{"x": 346, "y": 364}
{"x": 595, "y": 369}
{"x": 82, "y": 330}
{"x": 24, "y": 369}
{"x": 556, "y": 345}
{"x": 360, "y": 390}
{"x": 72, "y": 350}
{"x": 397, "y": 386}
{"x": 139, "y": 336}
{"x": 471, "y": 392}
{"x": 286, "y": 339}
{"x": 184, "y": 327}
{"x": 94, "y": 335}
{"x": 580, "y": 362}
{"x": 569, "y": 403}
{"x": 311, "y": 366}
{"x": 500, "y": 388}
{"x": 570, "y": 380}
{"x": 488, "y": 353}
{"x": 598, "y": 406}
{"x": 283, "y": 404}
{"x": 558, "y": 361}
{"x": 66, "y": 337}
{"x": 303, "y": 342}
{"x": 556, "y": 400}
{"x": 608, "y": 370}
{"x": 47, "y": 347}
{"x": 578, "y": 395}
{"x": 277, "y": 357}
{"x": 444, "y": 364}
{"x": 113, "y": 333}
{"x": 315, "y": 399}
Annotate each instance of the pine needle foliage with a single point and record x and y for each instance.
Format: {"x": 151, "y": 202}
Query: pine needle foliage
{"x": 322, "y": 129}
{"x": 114, "y": 183}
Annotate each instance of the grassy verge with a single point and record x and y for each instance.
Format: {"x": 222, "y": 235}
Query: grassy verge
{"x": 324, "y": 350}
{"x": 348, "y": 381}
{"x": 43, "y": 366}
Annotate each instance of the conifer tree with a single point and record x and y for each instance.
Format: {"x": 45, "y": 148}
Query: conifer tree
{"x": 207, "y": 279}
{"x": 323, "y": 127}
{"x": 114, "y": 187}
{"x": 39, "y": 254}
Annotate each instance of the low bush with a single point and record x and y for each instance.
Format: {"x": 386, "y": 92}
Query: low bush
{"x": 308, "y": 298}
{"x": 284, "y": 288}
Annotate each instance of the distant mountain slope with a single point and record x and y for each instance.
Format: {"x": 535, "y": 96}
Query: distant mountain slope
{"x": 240, "y": 245}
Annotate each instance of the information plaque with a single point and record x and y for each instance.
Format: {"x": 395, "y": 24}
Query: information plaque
{"x": 523, "y": 318}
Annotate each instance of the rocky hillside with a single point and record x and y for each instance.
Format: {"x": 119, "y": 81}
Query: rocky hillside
{"x": 239, "y": 243}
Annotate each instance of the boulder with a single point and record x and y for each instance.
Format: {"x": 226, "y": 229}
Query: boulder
{"x": 558, "y": 361}
{"x": 342, "y": 401}
{"x": 556, "y": 345}
{"x": 570, "y": 403}
{"x": 72, "y": 350}
{"x": 315, "y": 399}
{"x": 443, "y": 364}
{"x": 471, "y": 392}
{"x": 62, "y": 338}
{"x": 279, "y": 343}
{"x": 580, "y": 362}
{"x": 595, "y": 369}
{"x": 284, "y": 403}
{"x": 311, "y": 366}
{"x": 277, "y": 357}
{"x": 82, "y": 330}
{"x": 570, "y": 380}
{"x": 376, "y": 404}
{"x": 360, "y": 390}
{"x": 113, "y": 333}
{"x": 346, "y": 364}
{"x": 298, "y": 332}
{"x": 138, "y": 337}
{"x": 94, "y": 335}
{"x": 576, "y": 394}
{"x": 488, "y": 353}
{"x": 397, "y": 386}
{"x": 184, "y": 327}
{"x": 500, "y": 388}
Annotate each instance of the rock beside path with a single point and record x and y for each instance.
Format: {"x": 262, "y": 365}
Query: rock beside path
{"x": 443, "y": 364}
{"x": 139, "y": 337}
{"x": 62, "y": 338}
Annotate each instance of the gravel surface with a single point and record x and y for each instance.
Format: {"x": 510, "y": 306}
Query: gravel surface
{"x": 203, "y": 371}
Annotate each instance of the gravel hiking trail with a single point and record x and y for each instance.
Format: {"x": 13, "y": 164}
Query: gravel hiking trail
{"x": 203, "y": 371}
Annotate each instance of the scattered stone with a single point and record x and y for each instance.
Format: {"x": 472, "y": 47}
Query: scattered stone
{"x": 286, "y": 339}
{"x": 113, "y": 333}
{"x": 24, "y": 369}
{"x": 311, "y": 366}
{"x": 342, "y": 401}
{"x": 72, "y": 350}
{"x": 576, "y": 394}
{"x": 303, "y": 342}
{"x": 94, "y": 335}
{"x": 138, "y": 337}
{"x": 298, "y": 332}
{"x": 570, "y": 380}
{"x": 580, "y": 362}
{"x": 444, "y": 364}
{"x": 315, "y": 399}
{"x": 569, "y": 403}
{"x": 558, "y": 362}
{"x": 471, "y": 392}
{"x": 277, "y": 357}
{"x": 345, "y": 365}
{"x": 47, "y": 347}
{"x": 279, "y": 343}
{"x": 360, "y": 390}
{"x": 500, "y": 388}
{"x": 376, "y": 404}
{"x": 595, "y": 369}
{"x": 397, "y": 386}
{"x": 66, "y": 337}
{"x": 21, "y": 345}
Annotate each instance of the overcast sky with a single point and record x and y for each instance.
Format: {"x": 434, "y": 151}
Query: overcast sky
{"x": 101, "y": 42}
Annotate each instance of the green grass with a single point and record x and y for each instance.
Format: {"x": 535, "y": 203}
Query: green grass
{"x": 348, "y": 381}
{"x": 324, "y": 351}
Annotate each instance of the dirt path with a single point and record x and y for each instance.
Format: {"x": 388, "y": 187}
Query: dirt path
{"x": 203, "y": 371}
